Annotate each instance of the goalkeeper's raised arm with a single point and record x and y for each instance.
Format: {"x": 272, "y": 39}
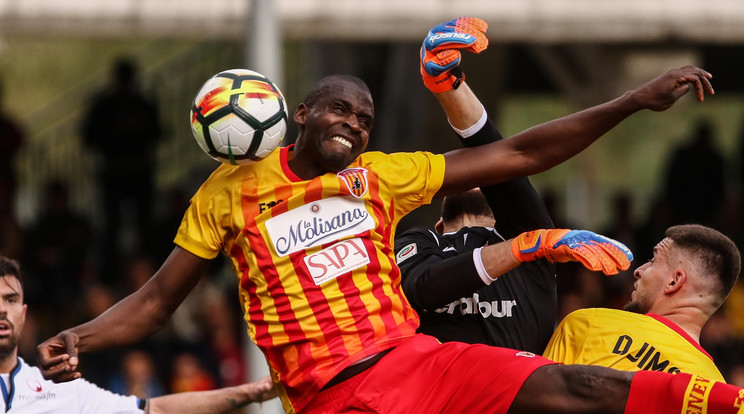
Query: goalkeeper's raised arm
{"x": 543, "y": 146}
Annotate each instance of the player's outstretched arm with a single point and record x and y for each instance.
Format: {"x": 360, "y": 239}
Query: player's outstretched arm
{"x": 129, "y": 321}
{"x": 594, "y": 251}
{"x": 546, "y": 145}
{"x": 219, "y": 401}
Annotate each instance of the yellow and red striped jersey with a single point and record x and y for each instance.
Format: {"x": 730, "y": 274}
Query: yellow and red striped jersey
{"x": 629, "y": 342}
{"x": 314, "y": 258}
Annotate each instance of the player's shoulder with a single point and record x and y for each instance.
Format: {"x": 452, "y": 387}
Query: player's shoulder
{"x": 604, "y": 314}
{"x": 417, "y": 234}
{"x": 34, "y": 379}
{"x": 232, "y": 176}
{"x": 396, "y": 160}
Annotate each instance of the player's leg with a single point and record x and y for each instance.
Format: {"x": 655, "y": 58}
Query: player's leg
{"x": 590, "y": 389}
{"x": 573, "y": 389}
{"x": 423, "y": 376}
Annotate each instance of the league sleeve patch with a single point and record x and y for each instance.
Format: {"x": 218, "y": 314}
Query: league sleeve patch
{"x": 406, "y": 252}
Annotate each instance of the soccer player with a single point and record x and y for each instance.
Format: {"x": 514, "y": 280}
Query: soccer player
{"x": 317, "y": 276}
{"x": 692, "y": 271}
{"x": 25, "y": 390}
{"x": 444, "y": 277}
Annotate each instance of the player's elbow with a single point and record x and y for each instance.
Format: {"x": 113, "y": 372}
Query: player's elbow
{"x": 156, "y": 311}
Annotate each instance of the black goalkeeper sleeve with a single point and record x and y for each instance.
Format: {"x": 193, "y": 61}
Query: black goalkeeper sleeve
{"x": 432, "y": 278}
{"x": 515, "y": 204}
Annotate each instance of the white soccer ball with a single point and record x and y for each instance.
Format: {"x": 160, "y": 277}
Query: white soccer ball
{"x": 238, "y": 116}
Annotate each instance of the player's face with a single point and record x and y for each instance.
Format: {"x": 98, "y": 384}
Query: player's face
{"x": 12, "y": 314}
{"x": 337, "y": 126}
{"x": 651, "y": 277}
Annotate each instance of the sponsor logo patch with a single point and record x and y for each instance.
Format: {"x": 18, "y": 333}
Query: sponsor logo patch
{"x": 333, "y": 261}
{"x": 319, "y": 222}
{"x": 406, "y": 252}
{"x": 33, "y": 385}
{"x": 525, "y": 354}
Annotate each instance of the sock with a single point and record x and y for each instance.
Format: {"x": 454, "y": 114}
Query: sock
{"x": 664, "y": 393}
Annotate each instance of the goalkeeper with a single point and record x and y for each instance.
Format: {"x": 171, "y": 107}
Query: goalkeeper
{"x": 449, "y": 276}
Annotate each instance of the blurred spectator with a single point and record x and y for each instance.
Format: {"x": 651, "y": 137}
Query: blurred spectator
{"x": 659, "y": 218}
{"x": 56, "y": 260}
{"x": 137, "y": 376}
{"x": 223, "y": 323}
{"x": 568, "y": 302}
{"x": 166, "y": 223}
{"x": 124, "y": 127}
{"x": 622, "y": 227}
{"x": 568, "y": 280}
{"x": 734, "y": 305}
{"x": 730, "y": 219}
{"x": 138, "y": 270}
{"x": 189, "y": 374}
{"x": 695, "y": 183}
{"x": 736, "y": 377}
{"x": 11, "y": 236}
{"x": 12, "y": 137}
{"x": 31, "y": 336}
{"x": 717, "y": 337}
{"x": 740, "y": 161}
{"x": 97, "y": 368}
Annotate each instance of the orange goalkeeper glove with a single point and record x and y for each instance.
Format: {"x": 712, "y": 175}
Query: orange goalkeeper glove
{"x": 440, "y": 55}
{"x": 594, "y": 251}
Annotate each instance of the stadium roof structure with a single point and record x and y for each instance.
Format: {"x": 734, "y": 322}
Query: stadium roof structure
{"x": 532, "y": 21}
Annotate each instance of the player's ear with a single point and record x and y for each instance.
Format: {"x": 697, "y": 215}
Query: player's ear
{"x": 678, "y": 279}
{"x": 439, "y": 227}
{"x": 300, "y": 114}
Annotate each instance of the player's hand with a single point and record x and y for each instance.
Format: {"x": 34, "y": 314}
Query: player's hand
{"x": 261, "y": 390}
{"x": 58, "y": 357}
{"x": 662, "y": 92}
{"x": 594, "y": 251}
{"x": 440, "y": 54}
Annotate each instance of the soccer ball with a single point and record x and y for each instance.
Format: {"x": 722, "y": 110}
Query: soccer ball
{"x": 238, "y": 116}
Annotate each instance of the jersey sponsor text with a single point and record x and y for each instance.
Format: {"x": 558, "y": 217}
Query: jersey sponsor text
{"x": 473, "y": 305}
{"x": 318, "y": 222}
{"x": 333, "y": 261}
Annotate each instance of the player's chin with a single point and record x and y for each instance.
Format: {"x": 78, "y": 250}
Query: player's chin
{"x": 337, "y": 162}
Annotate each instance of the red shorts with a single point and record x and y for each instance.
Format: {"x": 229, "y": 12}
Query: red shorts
{"x": 424, "y": 376}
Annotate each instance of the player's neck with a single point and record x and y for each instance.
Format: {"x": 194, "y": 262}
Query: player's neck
{"x": 689, "y": 319}
{"x": 303, "y": 166}
{"x": 8, "y": 362}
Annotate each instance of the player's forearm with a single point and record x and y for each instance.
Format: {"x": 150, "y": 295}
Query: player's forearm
{"x": 223, "y": 400}
{"x": 534, "y": 150}
{"x": 498, "y": 259}
{"x": 548, "y": 144}
{"x": 129, "y": 321}
{"x": 462, "y": 107}
{"x": 148, "y": 309}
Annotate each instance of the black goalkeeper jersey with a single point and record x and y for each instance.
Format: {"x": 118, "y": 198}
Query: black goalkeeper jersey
{"x": 518, "y": 310}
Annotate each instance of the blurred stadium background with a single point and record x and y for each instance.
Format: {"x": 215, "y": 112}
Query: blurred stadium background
{"x": 547, "y": 58}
